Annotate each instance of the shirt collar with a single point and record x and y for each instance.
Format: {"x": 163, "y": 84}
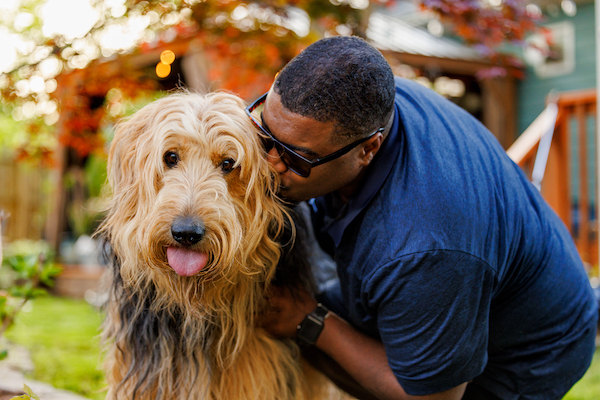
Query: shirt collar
{"x": 338, "y": 219}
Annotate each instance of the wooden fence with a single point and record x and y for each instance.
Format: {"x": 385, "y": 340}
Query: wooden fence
{"x": 23, "y": 196}
{"x": 570, "y": 182}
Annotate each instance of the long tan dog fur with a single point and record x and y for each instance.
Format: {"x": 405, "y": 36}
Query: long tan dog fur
{"x": 195, "y": 337}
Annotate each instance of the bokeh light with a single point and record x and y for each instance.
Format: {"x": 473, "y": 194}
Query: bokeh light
{"x": 569, "y": 7}
{"x": 8, "y": 53}
{"x": 9, "y": 5}
{"x": 162, "y": 70}
{"x": 167, "y": 57}
{"x": 80, "y": 14}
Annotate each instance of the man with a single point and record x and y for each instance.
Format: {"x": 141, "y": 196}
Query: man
{"x": 456, "y": 278}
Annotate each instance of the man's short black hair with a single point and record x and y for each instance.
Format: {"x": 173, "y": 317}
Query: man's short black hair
{"x": 342, "y": 79}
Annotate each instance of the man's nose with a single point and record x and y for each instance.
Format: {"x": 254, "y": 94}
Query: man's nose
{"x": 276, "y": 161}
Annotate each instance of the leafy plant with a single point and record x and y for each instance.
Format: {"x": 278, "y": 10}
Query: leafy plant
{"x": 29, "y": 395}
{"x": 29, "y": 265}
{"x": 29, "y": 269}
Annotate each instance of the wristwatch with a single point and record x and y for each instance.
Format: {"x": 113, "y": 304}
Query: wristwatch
{"x": 311, "y": 326}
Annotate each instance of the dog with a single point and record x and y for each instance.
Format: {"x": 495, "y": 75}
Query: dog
{"x": 192, "y": 226}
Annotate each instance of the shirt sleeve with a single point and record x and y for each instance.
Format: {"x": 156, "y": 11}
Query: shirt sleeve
{"x": 433, "y": 316}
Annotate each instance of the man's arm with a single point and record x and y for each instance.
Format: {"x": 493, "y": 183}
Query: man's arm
{"x": 365, "y": 360}
{"x": 363, "y": 357}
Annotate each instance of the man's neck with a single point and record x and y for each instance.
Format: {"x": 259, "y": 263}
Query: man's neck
{"x": 349, "y": 191}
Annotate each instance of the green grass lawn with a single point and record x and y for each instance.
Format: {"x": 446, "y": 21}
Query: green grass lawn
{"x": 62, "y": 336}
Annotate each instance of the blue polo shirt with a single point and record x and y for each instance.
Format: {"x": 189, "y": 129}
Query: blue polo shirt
{"x": 453, "y": 260}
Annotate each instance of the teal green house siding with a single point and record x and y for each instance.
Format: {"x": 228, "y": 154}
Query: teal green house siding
{"x": 532, "y": 91}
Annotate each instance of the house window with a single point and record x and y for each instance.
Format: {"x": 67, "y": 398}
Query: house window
{"x": 552, "y": 52}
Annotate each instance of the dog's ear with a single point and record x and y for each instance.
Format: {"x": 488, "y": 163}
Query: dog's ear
{"x": 262, "y": 179}
{"x": 130, "y": 171}
{"x": 270, "y": 215}
{"x": 121, "y": 159}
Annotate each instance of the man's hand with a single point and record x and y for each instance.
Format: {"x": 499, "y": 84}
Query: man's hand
{"x": 286, "y": 311}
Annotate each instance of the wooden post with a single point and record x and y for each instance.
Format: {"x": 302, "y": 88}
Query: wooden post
{"x": 499, "y": 104}
{"x": 2, "y": 216}
{"x": 56, "y": 215}
{"x": 555, "y": 187}
{"x": 583, "y": 239}
{"x": 594, "y": 223}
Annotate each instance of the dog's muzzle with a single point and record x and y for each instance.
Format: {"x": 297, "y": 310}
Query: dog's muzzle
{"x": 186, "y": 261}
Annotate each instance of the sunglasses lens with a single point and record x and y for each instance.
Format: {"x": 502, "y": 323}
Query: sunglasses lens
{"x": 293, "y": 162}
{"x": 296, "y": 164}
{"x": 267, "y": 142}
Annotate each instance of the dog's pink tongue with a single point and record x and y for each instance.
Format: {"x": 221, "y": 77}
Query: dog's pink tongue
{"x": 186, "y": 262}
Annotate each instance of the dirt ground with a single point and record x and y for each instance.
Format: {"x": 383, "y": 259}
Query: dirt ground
{"x": 8, "y": 395}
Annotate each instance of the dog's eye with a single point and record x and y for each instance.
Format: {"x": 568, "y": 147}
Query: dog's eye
{"x": 227, "y": 165}
{"x": 171, "y": 159}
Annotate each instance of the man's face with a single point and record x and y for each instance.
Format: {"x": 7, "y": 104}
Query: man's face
{"x": 311, "y": 139}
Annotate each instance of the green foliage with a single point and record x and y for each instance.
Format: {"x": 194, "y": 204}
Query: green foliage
{"x": 20, "y": 138}
{"x": 11, "y": 132}
{"x": 95, "y": 174}
{"x": 28, "y": 394}
{"x": 27, "y": 265}
{"x": 31, "y": 264}
{"x": 62, "y": 337}
{"x": 87, "y": 210}
{"x": 26, "y": 247}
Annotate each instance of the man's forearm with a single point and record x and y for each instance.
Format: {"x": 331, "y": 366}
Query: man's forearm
{"x": 361, "y": 356}
{"x": 365, "y": 360}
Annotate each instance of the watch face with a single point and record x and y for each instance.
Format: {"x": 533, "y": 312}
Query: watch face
{"x": 309, "y": 330}
{"x": 312, "y": 325}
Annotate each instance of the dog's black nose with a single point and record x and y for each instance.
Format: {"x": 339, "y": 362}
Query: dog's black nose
{"x": 187, "y": 231}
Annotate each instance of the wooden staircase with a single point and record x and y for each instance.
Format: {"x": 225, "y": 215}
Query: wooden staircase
{"x": 570, "y": 181}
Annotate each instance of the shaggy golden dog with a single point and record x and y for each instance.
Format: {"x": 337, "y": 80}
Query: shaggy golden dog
{"x": 192, "y": 226}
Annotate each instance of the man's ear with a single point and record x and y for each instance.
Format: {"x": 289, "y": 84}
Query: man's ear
{"x": 370, "y": 148}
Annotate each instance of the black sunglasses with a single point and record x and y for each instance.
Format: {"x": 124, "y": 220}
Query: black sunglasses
{"x": 294, "y": 161}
